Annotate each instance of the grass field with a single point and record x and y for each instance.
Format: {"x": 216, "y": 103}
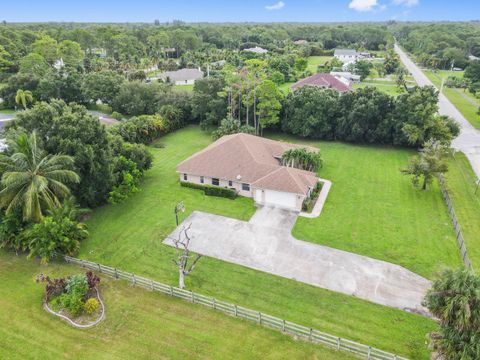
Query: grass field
{"x": 184, "y": 87}
{"x": 7, "y": 111}
{"x": 130, "y": 235}
{"x": 464, "y": 101}
{"x": 314, "y": 61}
{"x": 285, "y": 88}
{"x": 139, "y": 325}
{"x": 461, "y": 182}
{"x": 373, "y": 210}
{"x": 389, "y": 88}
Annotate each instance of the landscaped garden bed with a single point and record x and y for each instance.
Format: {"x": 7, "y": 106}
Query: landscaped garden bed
{"x": 75, "y": 299}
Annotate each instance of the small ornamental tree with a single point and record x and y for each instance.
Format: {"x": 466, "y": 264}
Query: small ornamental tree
{"x": 431, "y": 162}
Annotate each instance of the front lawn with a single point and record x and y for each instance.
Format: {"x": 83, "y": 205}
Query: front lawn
{"x": 373, "y": 210}
{"x": 461, "y": 184}
{"x": 139, "y": 325}
{"x": 129, "y": 236}
{"x": 314, "y": 61}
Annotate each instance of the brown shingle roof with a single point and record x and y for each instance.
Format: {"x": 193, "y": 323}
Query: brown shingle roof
{"x": 249, "y": 159}
{"x": 323, "y": 80}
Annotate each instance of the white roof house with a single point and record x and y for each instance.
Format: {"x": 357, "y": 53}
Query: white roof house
{"x": 180, "y": 77}
{"x": 257, "y": 50}
{"x": 346, "y": 75}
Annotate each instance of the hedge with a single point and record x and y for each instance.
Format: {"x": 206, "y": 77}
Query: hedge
{"x": 212, "y": 190}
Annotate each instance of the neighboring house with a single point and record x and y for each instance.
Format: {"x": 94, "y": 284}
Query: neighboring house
{"x": 473, "y": 57}
{"x": 325, "y": 81}
{"x": 252, "y": 166}
{"x": 346, "y": 75}
{"x": 180, "y": 77}
{"x": 300, "y": 42}
{"x": 346, "y": 55}
{"x": 257, "y": 50}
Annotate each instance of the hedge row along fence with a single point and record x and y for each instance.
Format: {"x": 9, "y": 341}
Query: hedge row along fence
{"x": 282, "y": 325}
{"x": 212, "y": 190}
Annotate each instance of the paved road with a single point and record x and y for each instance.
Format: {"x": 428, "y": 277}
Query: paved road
{"x": 265, "y": 243}
{"x": 469, "y": 139}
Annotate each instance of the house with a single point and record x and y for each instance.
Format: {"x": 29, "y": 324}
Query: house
{"x": 300, "y": 42}
{"x": 257, "y": 50}
{"x": 180, "y": 77}
{"x": 325, "y": 81}
{"x": 346, "y": 75}
{"x": 346, "y": 55}
{"x": 252, "y": 166}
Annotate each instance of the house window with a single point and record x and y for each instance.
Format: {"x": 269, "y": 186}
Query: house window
{"x": 185, "y": 177}
{"x": 245, "y": 187}
{"x": 202, "y": 179}
{"x": 215, "y": 181}
{"x": 230, "y": 183}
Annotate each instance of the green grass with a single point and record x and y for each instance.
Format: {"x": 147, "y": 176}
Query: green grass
{"x": 373, "y": 210}
{"x": 285, "y": 87}
{"x": 139, "y": 324}
{"x": 184, "y": 87}
{"x": 461, "y": 182}
{"x": 458, "y": 97}
{"x": 389, "y": 88}
{"x": 314, "y": 61}
{"x": 130, "y": 235}
{"x": 7, "y": 111}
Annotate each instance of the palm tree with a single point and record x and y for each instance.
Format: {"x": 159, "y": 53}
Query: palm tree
{"x": 23, "y": 97}
{"x": 34, "y": 180}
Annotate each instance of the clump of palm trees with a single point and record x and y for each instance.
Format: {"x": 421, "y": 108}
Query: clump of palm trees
{"x": 23, "y": 97}
{"x": 34, "y": 187}
{"x": 454, "y": 299}
{"x": 303, "y": 159}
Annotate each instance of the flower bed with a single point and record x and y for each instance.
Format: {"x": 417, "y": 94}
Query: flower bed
{"x": 75, "y": 299}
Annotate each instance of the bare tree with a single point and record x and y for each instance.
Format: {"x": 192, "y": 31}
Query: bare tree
{"x": 182, "y": 243}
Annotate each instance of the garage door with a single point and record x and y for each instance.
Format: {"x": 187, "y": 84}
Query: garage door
{"x": 282, "y": 199}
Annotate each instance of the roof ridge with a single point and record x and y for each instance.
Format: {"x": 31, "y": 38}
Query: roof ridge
{"x": 239, "y": 135}
{"x": 268, "y": 174}
{"x": 294, "y": 177}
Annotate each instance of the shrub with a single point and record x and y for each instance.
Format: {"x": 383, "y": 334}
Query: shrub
{"x": 92, "y": 279}
{"x": 219, "y": 191}
{"x": 212, "y": 190}
{"x": 77, "y": 284}
{"x": 91, "y": 306}
{"x": 72, "y": 302}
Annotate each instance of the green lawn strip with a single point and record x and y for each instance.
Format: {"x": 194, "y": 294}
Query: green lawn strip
{"x": 7, "y": 111}
{"x": 139, "y": 324}
{"x": 461, "y": 182}
{"x": 184, "y": 87}
{"x": 373, "y": 210}
{"x": 314, "y": 61}
{"x": 285, "y": 87}
{"x": 129, "y": 236}
{"x": 468, "y": 110}
{"x": 387, "y": 88}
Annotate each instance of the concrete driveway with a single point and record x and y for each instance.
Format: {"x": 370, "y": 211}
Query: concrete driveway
{"x": 265, "y": 243}
{"x": 469, "y": 139}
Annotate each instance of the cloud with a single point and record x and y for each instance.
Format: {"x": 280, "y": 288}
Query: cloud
{"x": 407, "y": 3}
{"x": 277, "y": 6}
{"x": 363, "y": 5}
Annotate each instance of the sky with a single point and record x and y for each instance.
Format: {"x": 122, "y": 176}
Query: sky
{"x": 238, "y": 10}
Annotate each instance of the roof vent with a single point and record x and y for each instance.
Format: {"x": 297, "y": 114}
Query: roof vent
{"x": 239, "y": 177}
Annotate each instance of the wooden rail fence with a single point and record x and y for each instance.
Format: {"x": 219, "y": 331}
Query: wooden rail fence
{"x": 456, "y": 224}
{"x": 285, "y": 326}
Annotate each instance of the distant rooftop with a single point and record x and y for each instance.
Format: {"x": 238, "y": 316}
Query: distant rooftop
{"x": 181, "y": 75}
{"x": 325, "y": 81}
{"x": 257, "y": 50}
{"x": 345, "y": 52}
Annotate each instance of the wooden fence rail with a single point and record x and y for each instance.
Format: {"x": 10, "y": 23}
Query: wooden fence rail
{"x": 456, "y": 224}
{"x": 285, "y": 326}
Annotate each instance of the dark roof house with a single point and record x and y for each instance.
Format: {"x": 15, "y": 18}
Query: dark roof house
{"x": 325, "y": 81}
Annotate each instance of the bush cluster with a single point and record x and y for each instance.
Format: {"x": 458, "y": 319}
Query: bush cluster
{"x": 210, "y": 190}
